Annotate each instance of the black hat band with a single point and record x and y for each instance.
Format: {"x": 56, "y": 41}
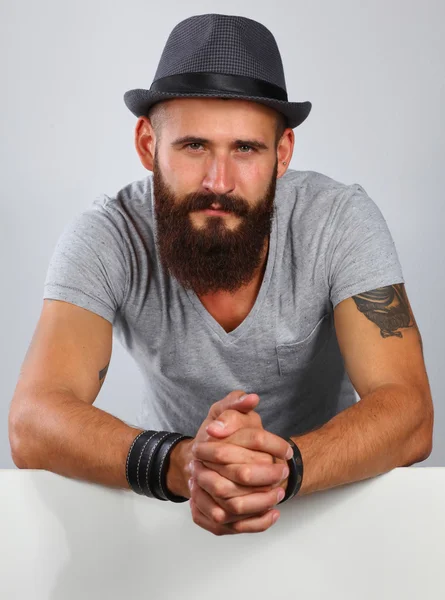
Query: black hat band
{"x": 218, "y": 83}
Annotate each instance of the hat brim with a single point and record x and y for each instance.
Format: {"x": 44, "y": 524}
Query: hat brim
{"x": 139, "y": 101}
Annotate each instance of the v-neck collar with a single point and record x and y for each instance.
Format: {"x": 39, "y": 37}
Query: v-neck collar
{"x": 230, "y": 337}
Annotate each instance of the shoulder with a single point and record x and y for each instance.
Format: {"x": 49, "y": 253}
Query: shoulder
{"x": 307, "y": 187}
{"x": 133, "y": 198}
{"x": 127, "y": 213}
{"x": 311, "y": 196}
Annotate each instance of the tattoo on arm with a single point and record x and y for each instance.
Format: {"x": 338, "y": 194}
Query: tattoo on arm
{"x": 388, "y": 307}
{"x": 102, "y": 374}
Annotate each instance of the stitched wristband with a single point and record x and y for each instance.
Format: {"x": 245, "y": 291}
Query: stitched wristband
{"x": 147, "y": 464}
{"x": 295, "y": 478}
{"x": 133, "y": 459}
{"x": 160, "y": 465}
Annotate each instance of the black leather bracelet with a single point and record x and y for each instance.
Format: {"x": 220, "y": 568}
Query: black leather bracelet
{"x": 147, "y": 464}
{"x": 133, "y": 459}
{"x": 160, "y": 465}
{"x": 295, "y": 478}
{"x": 156, "y": 466}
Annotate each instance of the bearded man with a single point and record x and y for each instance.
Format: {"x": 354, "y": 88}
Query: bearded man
{"x": 255, "y": 299}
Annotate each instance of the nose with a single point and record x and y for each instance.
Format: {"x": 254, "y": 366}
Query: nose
{"x": 219, "y": 178}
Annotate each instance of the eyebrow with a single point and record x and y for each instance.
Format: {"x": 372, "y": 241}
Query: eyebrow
{"x": 189, "y": 139}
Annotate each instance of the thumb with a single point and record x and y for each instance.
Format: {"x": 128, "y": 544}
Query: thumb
{"x": 238, "y": 400}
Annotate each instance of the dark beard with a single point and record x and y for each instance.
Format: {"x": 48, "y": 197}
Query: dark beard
{"x": 212, "y": 258}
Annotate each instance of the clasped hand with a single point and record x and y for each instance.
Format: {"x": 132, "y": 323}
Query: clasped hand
{"x": 238, "y": 472}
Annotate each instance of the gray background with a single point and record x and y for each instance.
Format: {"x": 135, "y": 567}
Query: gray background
{"x": 374, "y": 74}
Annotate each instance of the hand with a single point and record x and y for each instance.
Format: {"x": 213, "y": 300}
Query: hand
{"x": 228, "y": 496}
{"x": 178, "y": 473}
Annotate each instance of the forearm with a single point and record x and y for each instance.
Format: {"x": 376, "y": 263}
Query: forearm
{"x": 62, "y": 434}
{"x": 375, "y": 435}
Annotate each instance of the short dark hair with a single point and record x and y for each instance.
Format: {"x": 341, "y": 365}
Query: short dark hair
{"x": 281, "y": 126}
{"x": 156, "y": 116}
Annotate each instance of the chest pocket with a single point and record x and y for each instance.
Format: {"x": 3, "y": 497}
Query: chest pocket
{"x": 299, "y": 355}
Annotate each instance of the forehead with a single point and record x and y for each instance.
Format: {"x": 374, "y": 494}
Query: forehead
{"x": 220, "y": 116}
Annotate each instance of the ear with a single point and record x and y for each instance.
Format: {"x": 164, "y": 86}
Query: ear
{"x": 285, "y": 149}
{"x": 145, "y": 139}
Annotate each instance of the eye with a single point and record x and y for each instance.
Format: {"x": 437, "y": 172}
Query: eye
{"x": 246, "y": 146}
{"x": 193, "y": 144}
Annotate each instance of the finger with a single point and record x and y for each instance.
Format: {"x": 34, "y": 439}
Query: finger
{"x": 250, "y": 438}
{"x": 246, "y": 440}
{"x": 231, "y": 420}
{"x": 251, "y": 525}
{"x": 223, "y": 510}
{"x": 255, "y": 524}
{"x": 223, "y": 452}
{"x": 219, "y": 515}
{"x": 249, "y": 475}
{"x": 207, "y": 505}
{"x": 220, "y": 487}
{"x": 232, "y": 400}
{"x": 200, "y": 519}
{"x": 248, "y": 455}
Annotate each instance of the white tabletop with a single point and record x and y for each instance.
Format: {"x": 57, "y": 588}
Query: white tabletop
{"x": 63, "y": 539}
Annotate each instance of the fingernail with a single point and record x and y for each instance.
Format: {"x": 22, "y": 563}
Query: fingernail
{"x": 190, "y": 483}
{"x": 218, "y": 424}
{"x": 280, "y": 495}
{"x": 241, "y": 398}
{"x": 289, "y": 453}
{"x": 191, "y": 466}
{"x": 285, "y": 473}
{"x": 275, "y": 517}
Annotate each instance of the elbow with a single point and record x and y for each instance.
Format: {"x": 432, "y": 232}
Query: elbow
{"x": 17, "y": 439}
{"x": 424, "y": 436}
{"x": 428, "y": 430}
{"x": 19, "y": 463}
{"x": 16, "y": 450}
{"x": 427, "y": 445}
{"x": 422, "y": 455}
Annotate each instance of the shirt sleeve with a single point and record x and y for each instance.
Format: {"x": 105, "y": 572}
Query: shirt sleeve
{"x": 88, "y": 264}
{"x": 361, "y": 254}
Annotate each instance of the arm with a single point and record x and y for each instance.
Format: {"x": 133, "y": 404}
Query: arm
{"x": 391, "y": 426}
{"x": 52, "y": 423}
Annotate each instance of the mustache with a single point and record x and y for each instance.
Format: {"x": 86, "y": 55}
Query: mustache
{"x": 194, "y": 201}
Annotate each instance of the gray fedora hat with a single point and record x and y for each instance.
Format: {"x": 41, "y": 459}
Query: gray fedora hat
{"x": 222, "y": 56}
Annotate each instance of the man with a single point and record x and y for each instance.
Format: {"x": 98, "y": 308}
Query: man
{"x": 222, "y": 273}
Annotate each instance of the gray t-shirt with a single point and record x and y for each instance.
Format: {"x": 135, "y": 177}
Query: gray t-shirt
{"x": 329, "y": 241}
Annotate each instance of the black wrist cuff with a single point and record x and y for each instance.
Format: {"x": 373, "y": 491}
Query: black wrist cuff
{"x": 148, "y": 461}
{"x": 295, "y": 478}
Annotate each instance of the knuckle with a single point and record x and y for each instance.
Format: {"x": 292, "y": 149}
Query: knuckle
{"x": 259, "y": 437}
{"x": 266, "y": 522}
{"x": 218, "y": 515}
{"x": 218, "y": 489}
{"x": 231, "y": 413}
{"x": 219, "y": 453}
{"x": 231, "y": 418}
{"x": 236, "y": 506}
{"x": 245, "y": 474}
{"x": 240, "y": 527}
{"x": 256, "y": 418}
